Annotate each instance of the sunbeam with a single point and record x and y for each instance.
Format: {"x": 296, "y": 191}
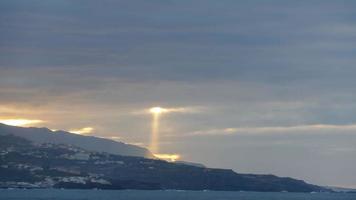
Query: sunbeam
{"x": 155, "y": 129}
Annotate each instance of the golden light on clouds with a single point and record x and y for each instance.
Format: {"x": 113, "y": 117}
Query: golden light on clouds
{"x": 82, "y": 131}
{"x": 168, "y": 157}
{"x": 20, "y": 122}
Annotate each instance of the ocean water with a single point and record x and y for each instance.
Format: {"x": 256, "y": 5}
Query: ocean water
{"x": 56, "y": 194}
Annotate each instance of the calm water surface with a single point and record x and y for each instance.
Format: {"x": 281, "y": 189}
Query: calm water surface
{"x": 53, "y": 194}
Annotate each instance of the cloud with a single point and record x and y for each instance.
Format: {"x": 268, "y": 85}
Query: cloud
{"x": 21, "y": 122}
{"x": 276, "y": 129}
{"x": 82, "y": 131}
{"x": 114, "y": 137}
{"x": 184, "y": 109}
{"x": 97, "y": 64}
{"x": 188, "y": 110}
{"x": 214, "y": 131}
{"x": 141, "y": 144}
{"x": 168, "y": 157}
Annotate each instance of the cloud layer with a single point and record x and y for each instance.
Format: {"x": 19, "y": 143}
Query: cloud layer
{"x": 249, "y": 73}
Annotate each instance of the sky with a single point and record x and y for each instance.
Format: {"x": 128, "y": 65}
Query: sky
{"x": 263, "y": 87}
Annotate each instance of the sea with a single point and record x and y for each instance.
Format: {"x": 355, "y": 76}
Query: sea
{"x": 58, "y": 194}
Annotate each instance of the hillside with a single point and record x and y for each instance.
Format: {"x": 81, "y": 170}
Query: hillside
{"x": 24, "y": 164}
{"x": 45, "y": 135}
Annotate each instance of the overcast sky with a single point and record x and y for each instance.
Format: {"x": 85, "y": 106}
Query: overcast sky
{"x": 261, "y": 86}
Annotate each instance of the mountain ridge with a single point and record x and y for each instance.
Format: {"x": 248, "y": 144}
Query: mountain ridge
{"x": 45, "y": 135}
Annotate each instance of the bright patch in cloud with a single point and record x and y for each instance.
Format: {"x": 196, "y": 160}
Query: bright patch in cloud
{"x": 176, "y": 109}
{"x": 141, "y": 144}
{"x": 168, "y": 157}
{"x": 82, "y": 131}
{"x": 160, "y": 110}
{"x": 20, "y": 122}
{"x": 115, "y": 137}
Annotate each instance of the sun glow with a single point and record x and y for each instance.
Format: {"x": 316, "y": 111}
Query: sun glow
{"x": 82, "y": 131}
{"x": 20, "y": 122}
{"x": 168, "y": 157}
{"x": 158, "y": 110}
